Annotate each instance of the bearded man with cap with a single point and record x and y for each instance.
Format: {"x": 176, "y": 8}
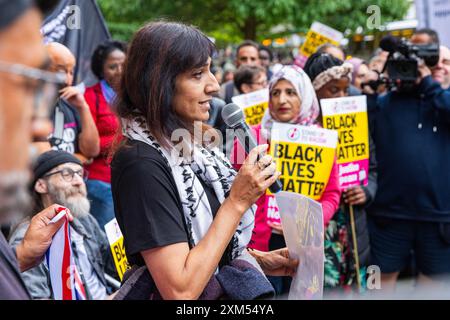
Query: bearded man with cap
{"x": 58, "y": 177}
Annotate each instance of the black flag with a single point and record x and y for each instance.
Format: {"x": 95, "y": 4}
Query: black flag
{"x": 80, "y": 26}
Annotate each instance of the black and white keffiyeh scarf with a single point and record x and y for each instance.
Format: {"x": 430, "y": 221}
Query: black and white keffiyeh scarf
{"x": 214, "y": 169}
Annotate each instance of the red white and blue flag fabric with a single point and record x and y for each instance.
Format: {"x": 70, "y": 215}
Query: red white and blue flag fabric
{"x": 64, "y": 277}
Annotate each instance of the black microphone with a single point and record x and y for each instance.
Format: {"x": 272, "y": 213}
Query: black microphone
{"x": 234, "y": 118}
{"x": 390, "y": 44}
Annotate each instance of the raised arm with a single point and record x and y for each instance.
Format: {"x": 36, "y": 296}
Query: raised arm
{"x": 88, "y": 140}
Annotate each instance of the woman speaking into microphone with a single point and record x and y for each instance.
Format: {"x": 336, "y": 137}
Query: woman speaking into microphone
{"x": 186, "y": 216}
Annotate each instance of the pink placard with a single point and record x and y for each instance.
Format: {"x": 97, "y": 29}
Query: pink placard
{"x": 273, "y": 214}
{"x": 355, "y": 173}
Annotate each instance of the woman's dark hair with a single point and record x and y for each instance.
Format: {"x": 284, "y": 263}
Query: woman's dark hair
{"x": 267, "y": 49}
{"x": 319, "y": 62}
{"x": 157, "y": 54}
{"x": 102, "y": 52}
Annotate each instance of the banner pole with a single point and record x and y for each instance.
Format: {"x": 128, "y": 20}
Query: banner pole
{"x": 355, "y": 247}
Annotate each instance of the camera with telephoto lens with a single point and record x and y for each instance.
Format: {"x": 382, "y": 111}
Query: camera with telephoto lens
{"x": 402, "y": 64}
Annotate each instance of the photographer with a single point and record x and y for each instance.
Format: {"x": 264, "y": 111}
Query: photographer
{"x": 441, "y": 72}
{"x": 410, "y": 126}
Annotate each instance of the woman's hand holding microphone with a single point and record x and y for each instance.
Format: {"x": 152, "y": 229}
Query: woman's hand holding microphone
{"x": 253, "y": 179}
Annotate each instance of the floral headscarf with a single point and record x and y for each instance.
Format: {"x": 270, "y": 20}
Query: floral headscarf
{"x": 333, "y": 73}
{"x": 309, "y": 110}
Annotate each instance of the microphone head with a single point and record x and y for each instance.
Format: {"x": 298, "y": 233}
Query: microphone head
{"x": 232, "y": 115}
{"x": 389, "y": 43}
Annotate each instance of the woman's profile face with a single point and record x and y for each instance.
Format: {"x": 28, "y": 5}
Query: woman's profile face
{"x": 194, "y": 90}
{"x": 334, "y": 89}
{"x": 284, "y": 103}
{"x": 112, "y": 68}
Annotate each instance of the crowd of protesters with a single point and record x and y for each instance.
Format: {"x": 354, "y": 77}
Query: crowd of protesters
{"x": 193, "y": 231}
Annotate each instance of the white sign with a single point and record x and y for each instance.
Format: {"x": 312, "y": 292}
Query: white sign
{"x": 302, "y": 221}
{"x": 308, "y": 135}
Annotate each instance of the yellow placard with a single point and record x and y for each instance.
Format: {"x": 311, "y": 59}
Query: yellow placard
{"x": 115, "y": 239}
{"x": 348, "y": 116}
{"x": 120, "y": 258}
{"x": 254, "y": 114}
{"x": 253, "y": 104}
{"x": 305, "y": 169}
{"x": 353, "y": 140}
{"x": 313, "y": 41}
{"x": 305, "y": 158}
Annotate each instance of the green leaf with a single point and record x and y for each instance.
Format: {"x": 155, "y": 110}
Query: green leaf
{"x": 233, "y": 20}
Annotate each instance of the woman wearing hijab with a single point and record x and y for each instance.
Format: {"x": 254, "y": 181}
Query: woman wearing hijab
{"x": 292, "y": 100}
{"x": 331, "y": 78}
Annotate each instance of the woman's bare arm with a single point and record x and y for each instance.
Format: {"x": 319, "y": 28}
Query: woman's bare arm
{"x": 180, "y": 273}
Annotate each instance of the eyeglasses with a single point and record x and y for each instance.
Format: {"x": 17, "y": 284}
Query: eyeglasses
{"x": 44, "y": 83}
{"x": 261, "y": 83}
{"x": 68, "y": 174}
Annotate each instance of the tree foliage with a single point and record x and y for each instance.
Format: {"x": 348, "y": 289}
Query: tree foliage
{"x": 233, "y": 20}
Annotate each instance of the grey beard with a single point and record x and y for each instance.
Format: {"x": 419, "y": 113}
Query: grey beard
{"x": 79, "y": 205}
{"x": 14, "y": 196}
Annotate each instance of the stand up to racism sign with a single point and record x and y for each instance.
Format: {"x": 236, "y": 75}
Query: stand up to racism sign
{"x": 348, "y": 116}
{"x": 304, "y": 156}
{"x": 115, "y": 239}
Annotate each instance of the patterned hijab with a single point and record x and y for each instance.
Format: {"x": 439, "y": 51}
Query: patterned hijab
{"x": 309, "y": 110}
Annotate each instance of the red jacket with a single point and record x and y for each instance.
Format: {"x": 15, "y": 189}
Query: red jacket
{"x": 107, "y": 126}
